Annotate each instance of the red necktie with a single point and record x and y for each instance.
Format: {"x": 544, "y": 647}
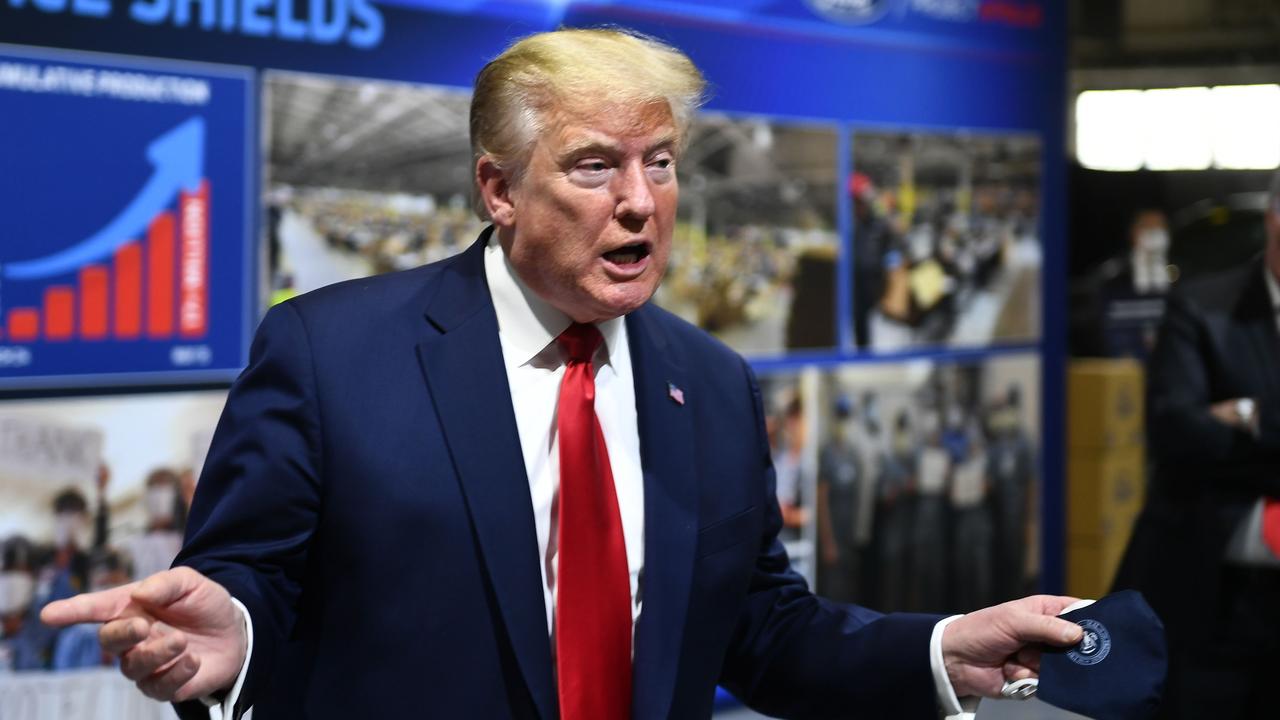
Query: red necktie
{"x": 1271, "y": 526}
{"x": 593, "y": 587}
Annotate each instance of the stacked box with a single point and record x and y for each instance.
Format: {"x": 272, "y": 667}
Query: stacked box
{"x": 1106, "y": 468}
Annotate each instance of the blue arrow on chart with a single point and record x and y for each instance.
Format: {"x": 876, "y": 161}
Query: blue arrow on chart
{"x": 178, "y": 157}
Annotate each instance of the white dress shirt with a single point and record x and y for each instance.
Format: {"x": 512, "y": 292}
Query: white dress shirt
{"x": 527, "y": 329}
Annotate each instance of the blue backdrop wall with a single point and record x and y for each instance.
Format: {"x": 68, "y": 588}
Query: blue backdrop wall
{"x": 934, "y": 66}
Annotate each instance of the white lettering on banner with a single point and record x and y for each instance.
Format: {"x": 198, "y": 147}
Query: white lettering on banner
{"x": 190, "y": 355}
{"x": 954, "y": 10}
{"x": 323, "y": 22}
{"x": 117, "y": 85}
{"x": 192, "y": 314}
{"x": 79, "y": 695}
{"x": 152, "y": 88}
{"x": 14, "y": 357}
{"x": 856, "y": 12}
{"x": 48, "y": 451}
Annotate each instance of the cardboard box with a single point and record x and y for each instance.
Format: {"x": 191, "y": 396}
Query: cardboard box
{"x": 1105, "y": 491}
{"x": 1105, "y": 404}
{"x": 1091, "y": 566}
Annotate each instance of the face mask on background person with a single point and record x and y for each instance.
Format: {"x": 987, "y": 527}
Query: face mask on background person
{"x": 159, "y": 502}
{"x": 68, "y": 528}
{"x": 1150, "y": 261}
{"x": 1154, "y": 240}
{"x": 17, "y": 589}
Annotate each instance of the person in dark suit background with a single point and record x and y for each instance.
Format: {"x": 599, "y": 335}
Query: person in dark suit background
{"x": 1012, "y": 472}
{"x": 874, "y": 239}
{"x": 1198, "y": 550}
{"x": 424, "y": 409}
{"x": 1123, "y": 299}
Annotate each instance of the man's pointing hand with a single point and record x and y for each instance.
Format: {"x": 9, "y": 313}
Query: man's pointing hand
{"x": 177, "y": 633}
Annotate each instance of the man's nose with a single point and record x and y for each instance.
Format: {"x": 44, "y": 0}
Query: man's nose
{"x": 635, "y": 197}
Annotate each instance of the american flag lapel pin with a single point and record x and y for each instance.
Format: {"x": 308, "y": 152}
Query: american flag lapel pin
{"x": 675, "y": 393}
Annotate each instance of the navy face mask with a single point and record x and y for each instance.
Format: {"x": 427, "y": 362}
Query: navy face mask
{"x": 1117, "y": 670}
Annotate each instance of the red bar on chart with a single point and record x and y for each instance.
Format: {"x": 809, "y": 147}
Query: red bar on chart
{"x": 93, "y": 302}
{"x": 59, "y": 313}
{"x": 24, "y": 324}
{"x": 128, "y": 292}
{"x": 160, "y": 270}
{"x": 193, "y": 309}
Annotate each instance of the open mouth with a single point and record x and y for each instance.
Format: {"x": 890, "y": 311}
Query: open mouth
{"x": 628, "y": 254}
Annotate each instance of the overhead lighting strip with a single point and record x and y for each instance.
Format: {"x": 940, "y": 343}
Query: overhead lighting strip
{"x": 1235, "y": 127}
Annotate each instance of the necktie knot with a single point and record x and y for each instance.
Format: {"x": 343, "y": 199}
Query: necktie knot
{"x": 580, "y": 341}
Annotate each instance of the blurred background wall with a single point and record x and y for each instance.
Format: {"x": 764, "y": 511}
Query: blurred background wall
{"x": 1172, "y": 118}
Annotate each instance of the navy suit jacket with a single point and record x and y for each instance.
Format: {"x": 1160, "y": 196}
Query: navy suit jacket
{"x": 365, "y": 497}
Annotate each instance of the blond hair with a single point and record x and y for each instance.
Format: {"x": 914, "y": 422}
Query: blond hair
{"x": 574, "y": 69}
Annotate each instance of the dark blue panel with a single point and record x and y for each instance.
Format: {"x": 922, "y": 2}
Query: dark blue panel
{"x": 782, "y": 59}
{"x": 898, "y": 64}
{"x": 92, "y": 154}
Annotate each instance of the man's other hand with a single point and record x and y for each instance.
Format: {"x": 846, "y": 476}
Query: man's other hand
{"x": 985, "y": 648}
{"x": 1239, "y": 413}
{"x": 177, "y": 633}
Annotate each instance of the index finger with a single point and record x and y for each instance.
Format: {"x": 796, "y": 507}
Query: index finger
{"x": 89, "y": 607}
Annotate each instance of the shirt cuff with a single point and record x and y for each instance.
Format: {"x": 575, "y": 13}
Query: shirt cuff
{"x": 225, "y": 710}
{"x": 953, "y": 708}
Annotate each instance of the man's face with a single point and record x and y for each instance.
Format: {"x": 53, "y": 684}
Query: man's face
{"x": 69, "y": 528}
{"x": 589, "y": 223}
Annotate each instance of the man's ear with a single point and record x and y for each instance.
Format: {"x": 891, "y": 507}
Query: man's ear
{"x": 495, "y": 191}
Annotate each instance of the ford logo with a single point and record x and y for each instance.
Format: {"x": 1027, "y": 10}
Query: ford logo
{"x": 853, "y": 12}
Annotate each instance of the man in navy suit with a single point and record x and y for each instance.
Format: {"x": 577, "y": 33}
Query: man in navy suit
{"x": 507, "y": 486}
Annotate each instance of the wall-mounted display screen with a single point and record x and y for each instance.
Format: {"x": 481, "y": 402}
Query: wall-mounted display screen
{"x": 127, "y": 207}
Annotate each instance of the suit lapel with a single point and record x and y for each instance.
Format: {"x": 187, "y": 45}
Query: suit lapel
{"x": 670, "y": 511}
{"x": 1256, "y": 315}
{"x": 462, "y": 362}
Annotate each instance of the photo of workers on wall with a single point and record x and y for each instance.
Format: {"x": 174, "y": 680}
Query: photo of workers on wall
{"x": 927, "y": 483}
{"x": 946, "y": 239}
{"x": 367, "y": 177}
{"x": 363, "y": 177}
{"x": 754, "y": 256}
{"x": 94, "y": 493}
{"x": 790, "y": 416}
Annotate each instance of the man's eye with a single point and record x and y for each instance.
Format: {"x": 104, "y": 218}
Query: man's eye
{"x": 591, "y": 173}
{"x": 663, "y": 163}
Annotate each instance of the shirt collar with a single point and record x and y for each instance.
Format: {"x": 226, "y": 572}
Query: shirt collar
{"x": 528, "y": 324}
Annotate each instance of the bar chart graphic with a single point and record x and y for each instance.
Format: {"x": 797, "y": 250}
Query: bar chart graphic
{"x": 155, "y": 286}
{"x": 126, "y": 251}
